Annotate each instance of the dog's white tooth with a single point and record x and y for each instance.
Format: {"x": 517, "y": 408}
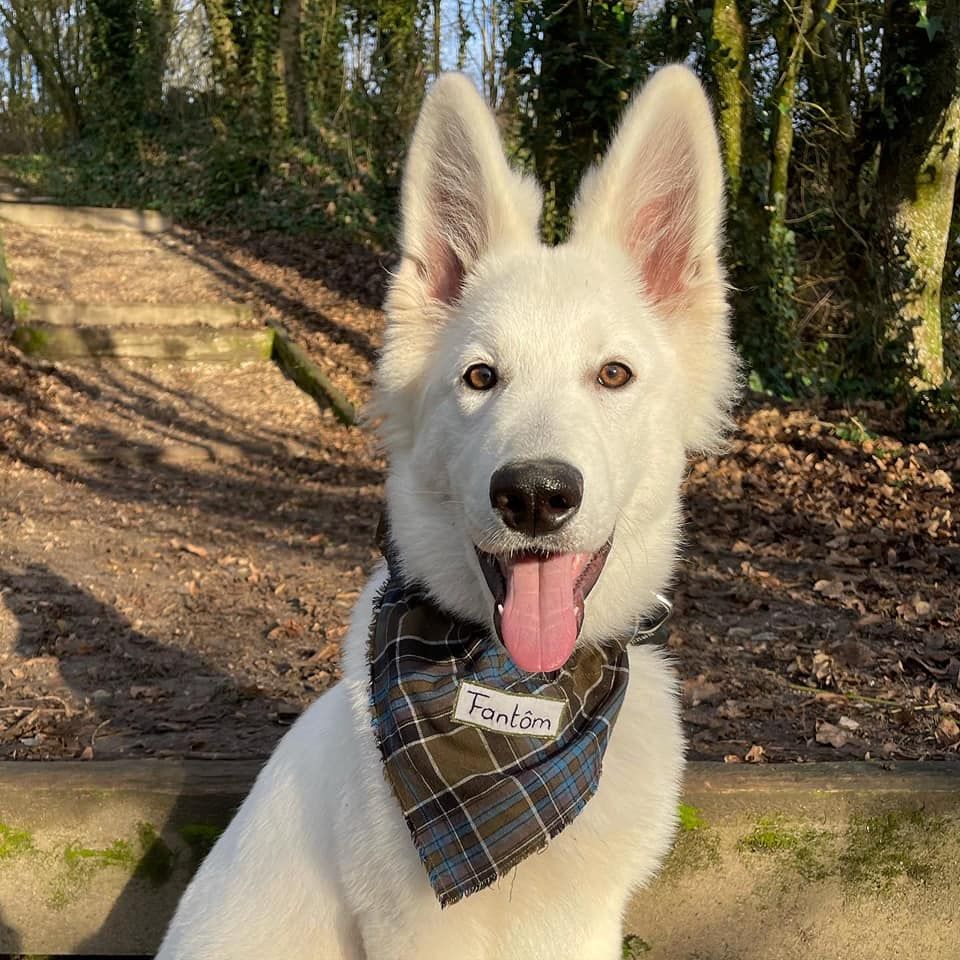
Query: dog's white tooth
{"x": 500, "y": 609}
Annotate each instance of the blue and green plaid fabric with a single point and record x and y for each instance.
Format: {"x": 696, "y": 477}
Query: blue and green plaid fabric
{"x": 477, "y": 802}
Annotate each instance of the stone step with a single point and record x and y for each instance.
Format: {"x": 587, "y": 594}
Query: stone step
{"x": 794, "y": 862}
{"x": 51, "y": 215}
{"x": 179, "y": 343}
{"x": 135, "y": 314}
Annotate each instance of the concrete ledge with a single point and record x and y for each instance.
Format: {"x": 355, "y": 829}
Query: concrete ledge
{"x": 809, "y": 862}
{"x": 135, "y": 314}
{"x": 147, "y": 343}
{"x": 817, "y": 862}
{"x": 46, "y": 215}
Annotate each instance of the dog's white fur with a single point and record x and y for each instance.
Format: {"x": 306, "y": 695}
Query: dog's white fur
{"x": 318, "y": 862}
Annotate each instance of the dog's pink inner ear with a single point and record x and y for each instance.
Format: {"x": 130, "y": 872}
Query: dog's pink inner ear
{"x": 458, "y": 229}
{"x": 660, "y": 233}
{"x": 444, "y": 273}
{"x": 661, "y": 245}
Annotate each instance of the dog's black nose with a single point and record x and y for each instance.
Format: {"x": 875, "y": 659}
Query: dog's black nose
{"x": 536, "y": 496}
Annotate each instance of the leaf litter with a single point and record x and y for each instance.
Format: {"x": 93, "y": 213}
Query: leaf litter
{"x": 181, "y": 547}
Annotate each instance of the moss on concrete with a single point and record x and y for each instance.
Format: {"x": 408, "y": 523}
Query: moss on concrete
{"x": 153, "y": 861}
{"x": 872, "y": 852}
{"x": 156, "y": 858}
{"x": 690, "y": 818}
{"x": 634, "y": 947}
{"x": 697, "y": 846}
{"x": 81, "y": 864}
{"x": 899, "y": 845}
{"x": 802, "y": 848}
{"x": 200, "y": 838}
{"x": 14, "y": 842}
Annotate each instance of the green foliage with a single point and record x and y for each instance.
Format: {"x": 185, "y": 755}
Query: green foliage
{"x": 572, "y": 67}
{"x": 828, "y": 113}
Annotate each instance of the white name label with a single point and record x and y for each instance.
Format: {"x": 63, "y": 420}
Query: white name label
{"x": 522, "y": 715}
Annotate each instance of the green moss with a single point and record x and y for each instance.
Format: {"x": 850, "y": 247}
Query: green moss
{"x": 118, "y": 854}
{"x": 690, "y": 818}
{"x": 14, "y": 842}
{"x": 149, "y": 858}
{"x": 82, "y": 863}
{"x": 895, "y": 845}
{"x": 29, "y": 339}
{"x": 156, "y": 859}
{"x": 696, "y": 847}
{"x": 807, "y": 851}
{"x": 873, "y": 852}
{"x": 200, "y": 838}
{"x": 634, "y": 947}
{"x": 770, "y": 834}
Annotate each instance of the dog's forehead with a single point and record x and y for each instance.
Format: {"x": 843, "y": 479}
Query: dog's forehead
{"x": 551, "y": 290}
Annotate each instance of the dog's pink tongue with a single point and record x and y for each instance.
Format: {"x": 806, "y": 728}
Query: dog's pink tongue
{"x": 539, "y": 622}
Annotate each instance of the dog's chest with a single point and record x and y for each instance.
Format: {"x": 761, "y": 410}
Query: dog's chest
{"x": 616, "y": 842}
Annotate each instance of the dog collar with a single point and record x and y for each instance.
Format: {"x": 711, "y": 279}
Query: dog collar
{"x": 647, "y": 629}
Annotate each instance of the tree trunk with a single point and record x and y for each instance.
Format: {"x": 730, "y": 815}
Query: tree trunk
{"x": 731, "y": 72}
{"x": 784, "y": 101}
{"x": 437, "y": 36}
{"x": 917, "y": 175}
{"x": 291, "y": 66}
{"x": 225, "y": 54}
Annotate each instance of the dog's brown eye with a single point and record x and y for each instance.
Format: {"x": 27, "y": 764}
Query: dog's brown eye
{"x": 480, "y": 377}
{"x": 614, "y": 375}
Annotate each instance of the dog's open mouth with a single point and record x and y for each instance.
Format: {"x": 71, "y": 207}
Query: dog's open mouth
{"x": 538, "y": 602}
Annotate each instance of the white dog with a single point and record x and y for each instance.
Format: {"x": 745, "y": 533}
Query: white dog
{"x": 538, "y": 405}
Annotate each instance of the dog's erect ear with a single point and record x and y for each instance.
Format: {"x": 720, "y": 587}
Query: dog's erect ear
{"x": 658, "y": 194}
{"x": 659, "y": 190}
{"x": 460, "y": 198}
{"x": 460, "y": 201}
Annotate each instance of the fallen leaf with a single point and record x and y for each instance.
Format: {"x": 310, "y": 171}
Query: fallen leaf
{"x": 697, "y": 690}
{"x": 829, "y": 588}
{"x": 832, "y": 735}
{"x": 823, "y": 670}
{"x": 941, "y": 479}
{"x": 731, "y": 710}
{"x": 948, "y": 732}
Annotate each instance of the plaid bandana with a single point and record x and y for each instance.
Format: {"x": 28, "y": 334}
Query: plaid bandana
{"x": 484, "y": 776}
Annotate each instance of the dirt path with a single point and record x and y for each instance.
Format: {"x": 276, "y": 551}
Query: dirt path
{"x": 180, "y": 548}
